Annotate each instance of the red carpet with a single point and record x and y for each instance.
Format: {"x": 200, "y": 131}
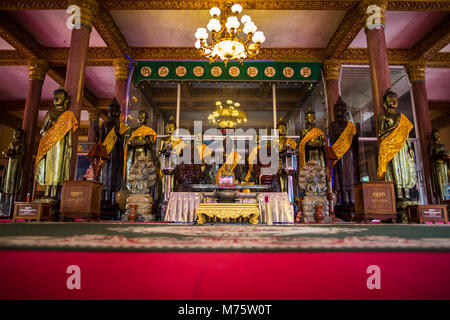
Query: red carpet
{"x": 224, "y": 275}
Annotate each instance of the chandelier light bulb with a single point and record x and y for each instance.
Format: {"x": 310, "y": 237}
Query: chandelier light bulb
{"x": 245, "y": 18}
{"x": 236, "y": 8}
{"x": 214, "y": 11}
{"x": 229, "y": 101}
{"x": 258, "y": 37}
{"x": 234, "y": 43}
{"x": 250, "y": 27}
{"x": 201, "y": 34}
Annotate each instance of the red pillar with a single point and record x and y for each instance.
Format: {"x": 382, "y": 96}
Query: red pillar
{"x": 76, "y": 66}
{"x": 416, "y": 74}
{"x": 378, "y": 59}
{"x": 37, "y": 71}
{"x": 121, "y": 68}
{"x": 332, "y": 70}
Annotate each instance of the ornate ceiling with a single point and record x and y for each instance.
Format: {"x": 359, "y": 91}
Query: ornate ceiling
{"x": 308, "y": 30}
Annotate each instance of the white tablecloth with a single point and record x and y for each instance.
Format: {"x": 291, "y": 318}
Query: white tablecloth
{"x": 182, "y": 206}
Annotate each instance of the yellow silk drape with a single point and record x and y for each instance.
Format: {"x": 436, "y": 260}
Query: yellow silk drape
{"x": 65, "y": 122}
{"x": 343, "y": 143}
{"x": 139, "y": 132}
{"x": 392, "y": 144}
{"x": 312, "y": 134}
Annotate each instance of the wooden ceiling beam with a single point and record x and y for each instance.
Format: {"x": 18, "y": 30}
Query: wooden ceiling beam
{"x": 400, "y": 5}
{"x": 433, "y": 42}
{"x": 347, "y": 30}
{"x": 105, "y": 56}
{"x": 27, "y": 47}
{"x": 110, "y": 33}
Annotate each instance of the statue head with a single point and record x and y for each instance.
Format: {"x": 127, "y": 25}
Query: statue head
{"x": 142, "y": 117}
{"x": 18, "y": 133}
{"x": 310, "y": 118}
{"x": 170, "y": 126}
{"x": 340, "y": 109}
{"x": 390, "y": 101}
{"x": 282, "y": 128}
{"x": 61, "y": 99}
{"x": 114, "y": 110}
{"x": 435, "y": 135}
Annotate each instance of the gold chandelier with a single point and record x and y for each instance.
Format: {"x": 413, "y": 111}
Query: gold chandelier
{"x": 227, "y": 116}
{"x": 228, "y": 41}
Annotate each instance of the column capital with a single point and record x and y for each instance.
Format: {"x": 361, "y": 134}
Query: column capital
{"x": 416, "y": 70}
{"x": 371, "y": 14}
{"x": 121, "y": 68}
{"x": 332, "y": 68}
{"x": 88, "y": 10}
{"x": 37, "y": 69}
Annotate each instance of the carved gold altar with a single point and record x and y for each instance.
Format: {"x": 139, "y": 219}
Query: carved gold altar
{"x": 228, "y": 212}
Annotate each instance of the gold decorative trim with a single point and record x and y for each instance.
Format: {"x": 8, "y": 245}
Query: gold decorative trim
{"x": 399, "y": 5}
{"x": 88, "y": 9}
{"x": 216, "y": 71}
{"x": 180, "y": 71}
{"x": 227, "y": 211}
{"x": 288, "y": 72}
{"x": 252, "y": 71}
{"x": 234, "y": 71}
{"x": 57, "y": 57}
{"x": 269, "y": 71}
{"x": 347, "y": 30}
{"x": 163, "y": 72}
{"x": 332, "y": 69}
{"x": 121, "y": 68}
{"x": 110, "y": 33}
{"x": 37, "y": 69}
{"x": 416, "y": 70}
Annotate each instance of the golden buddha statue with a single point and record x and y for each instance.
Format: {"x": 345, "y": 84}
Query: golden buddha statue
{"x": 312, "y": 142}
{"x": 12, "y": 178}
{"x": 169, "y": 142}
{"x": 140, "y": 143}
{"x": 55, "y": 147}
{"x": 282, "y": 148}
{"x": 395, "y": 156}
{"x": 439, "y": 164}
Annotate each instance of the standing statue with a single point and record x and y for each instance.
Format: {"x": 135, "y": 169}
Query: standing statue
{"x": 55, "y": 147}
{"x": 112, "y": 137}
{"x": 395, "y": 155}
{"x": 12, "y": 178}
{"x": 343, "y": 140}
{"x": 284, "y": 144}
{"x": 312, "y": 143}
{"x": 439, "y": 164}
{"x": 168, "y": 148}
{"x": 140, "y": 143}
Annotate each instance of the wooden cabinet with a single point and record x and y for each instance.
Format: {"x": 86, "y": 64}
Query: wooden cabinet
{"x": 375, "y": 200}
{"x": 424, "y": 213}
{"x": 80, "y": 200}
{"x": 32, "y": 211}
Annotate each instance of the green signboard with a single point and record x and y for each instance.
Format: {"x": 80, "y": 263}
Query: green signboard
{"x": 234, "y": 71}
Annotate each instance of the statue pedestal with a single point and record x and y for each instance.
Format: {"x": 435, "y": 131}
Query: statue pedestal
{"x": 144, "y": 204}
{"x": 309, "y": 204}
{"x": 80, "y": 200}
